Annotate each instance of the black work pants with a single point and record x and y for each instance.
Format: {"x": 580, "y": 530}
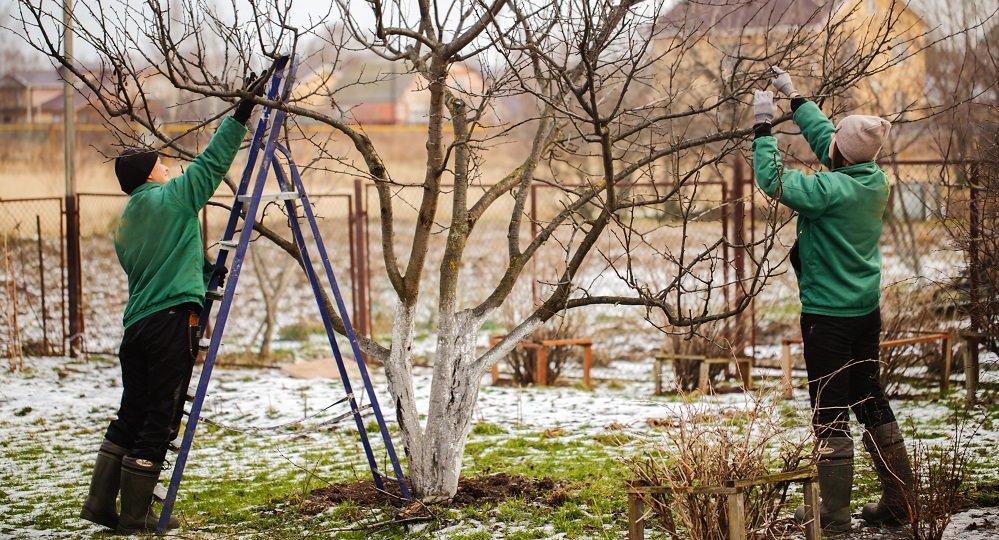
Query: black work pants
{"x": 157, "y": 357}
{"x": 841, "y": 356}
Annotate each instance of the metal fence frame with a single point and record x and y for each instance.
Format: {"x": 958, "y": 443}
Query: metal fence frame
{"x": 733, "y": 222}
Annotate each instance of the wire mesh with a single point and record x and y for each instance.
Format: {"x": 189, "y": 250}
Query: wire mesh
{"x": 32, "y": 295}
{"x": 918, "y": 254}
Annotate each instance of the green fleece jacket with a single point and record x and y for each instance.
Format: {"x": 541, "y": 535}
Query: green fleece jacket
{"x": 158, "y": 239}
{"x": 839, "y": 223}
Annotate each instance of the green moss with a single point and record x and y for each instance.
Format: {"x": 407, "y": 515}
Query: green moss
{"x": 486, "y": 428}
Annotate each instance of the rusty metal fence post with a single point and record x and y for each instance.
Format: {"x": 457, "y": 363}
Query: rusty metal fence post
{"x": 74, "y": 277}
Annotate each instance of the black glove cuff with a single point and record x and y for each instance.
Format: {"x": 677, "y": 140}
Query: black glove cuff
{"x": 243, "y": 111}
{"x": 797, "y": 102}
{"x": 762, "y": 130}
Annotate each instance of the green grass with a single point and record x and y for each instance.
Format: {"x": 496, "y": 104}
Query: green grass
{"x": 257, "y": 485}
{"x": 300, "y": 331}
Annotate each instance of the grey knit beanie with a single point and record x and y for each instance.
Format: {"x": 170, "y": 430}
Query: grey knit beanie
{"x": 859, "y": 138}
{"x": 133, "y": 166}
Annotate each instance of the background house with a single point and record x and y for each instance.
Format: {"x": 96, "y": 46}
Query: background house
{"x": 23, "y": 93}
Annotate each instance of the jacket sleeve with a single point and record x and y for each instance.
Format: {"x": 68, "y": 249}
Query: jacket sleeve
{"x": 195, "y": 186}
{"x": 817, "y": 130}
{"x": 807, "y": 194}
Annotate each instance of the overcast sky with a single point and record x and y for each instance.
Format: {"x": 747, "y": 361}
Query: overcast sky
{"x": 935, "y": 12}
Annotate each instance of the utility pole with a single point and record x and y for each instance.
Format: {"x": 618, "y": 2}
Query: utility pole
{"x": 74, "y": 277}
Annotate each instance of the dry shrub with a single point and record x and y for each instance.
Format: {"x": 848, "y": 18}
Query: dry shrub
{"x": 908, "y": 311}
{"x": 523, "y": 359}
{"x": 940, "y": 474}
{"x": 703, "y": 452}
{"x": 708, "y": 342}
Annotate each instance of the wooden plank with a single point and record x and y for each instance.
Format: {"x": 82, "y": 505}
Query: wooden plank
{"x": 708, "y": 490}
{"x": 562, "y": 342}
{"x": 945, "y": 376}
{"x": 736, "y": 517}
{"x": 785, "y": 366}
{"x": 636, "y": 523}
{"x": 657, "y": 374}
{"x": 541, "y": 367}
{"x": 703, "y": 377}
{"x": 913, "y": 340}
{"x": 587, "y": 364}
{"x": 813, "y": 525}
{"x": 789, "y": 476}
{"x": 671, "y": 356}
{"x": 885, "y": 344}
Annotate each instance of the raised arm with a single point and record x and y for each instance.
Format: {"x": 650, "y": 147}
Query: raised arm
{"x": 815, "y": 126}
{"x": 195, "y": 186}
{"x": 807, "y": 194}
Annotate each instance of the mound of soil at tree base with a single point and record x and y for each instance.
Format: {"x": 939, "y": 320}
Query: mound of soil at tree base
{"x": 492, "y": 488}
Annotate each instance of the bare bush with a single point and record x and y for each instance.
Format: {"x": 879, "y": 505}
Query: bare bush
{"x": 710, "y": 449}
{"x": 940, "y": 473}
{"x": 707, "y": 342}
{"x": 908, "y": 311}
{"x": 523, "y": 360}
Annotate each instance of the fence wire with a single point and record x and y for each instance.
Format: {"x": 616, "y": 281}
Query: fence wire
{"x": 275, "y": 298}
{"x": 32, "y": 295}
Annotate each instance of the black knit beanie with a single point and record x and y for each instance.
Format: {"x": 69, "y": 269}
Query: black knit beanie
{"x": 133, "y": 167}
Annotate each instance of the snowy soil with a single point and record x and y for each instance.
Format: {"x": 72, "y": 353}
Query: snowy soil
{"x": 58, "y": 408}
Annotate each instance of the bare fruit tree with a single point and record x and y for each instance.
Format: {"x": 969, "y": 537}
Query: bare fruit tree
{"x": 614, "y": 111}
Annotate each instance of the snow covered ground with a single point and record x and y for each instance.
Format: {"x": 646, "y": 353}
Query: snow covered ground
{"x": 55, "y": 410}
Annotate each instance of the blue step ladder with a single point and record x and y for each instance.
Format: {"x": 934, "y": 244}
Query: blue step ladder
{"x": 248, "y": 199}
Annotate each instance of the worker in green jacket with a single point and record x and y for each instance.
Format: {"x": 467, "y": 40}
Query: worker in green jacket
{"x": 158, "y": 243}
{"x": 837, "y": 262}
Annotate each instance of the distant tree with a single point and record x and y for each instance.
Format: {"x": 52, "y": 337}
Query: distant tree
{"x": 612, "y": 129}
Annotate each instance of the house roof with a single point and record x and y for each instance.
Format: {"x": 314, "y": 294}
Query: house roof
{"x": 56, "y": 104}
{"x": 35, "y": 78}
{"x": 751, "y": 15}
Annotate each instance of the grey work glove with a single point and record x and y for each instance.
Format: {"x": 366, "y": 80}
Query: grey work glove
{"x": 763, "y": 106}
{"x": 781, "y": 81}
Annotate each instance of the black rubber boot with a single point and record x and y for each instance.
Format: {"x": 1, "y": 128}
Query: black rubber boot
{"x": 891, "y": 462}
{"x": 138, "y": 479}
{"x": 835, "y": 468}
{"x": 101, "y": 505}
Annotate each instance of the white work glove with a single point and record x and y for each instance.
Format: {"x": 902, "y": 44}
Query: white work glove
{"x": 781, "y": 81}
{"x": 763, "y": 106}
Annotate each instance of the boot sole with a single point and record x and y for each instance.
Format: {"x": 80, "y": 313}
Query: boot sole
{"x": 104, "y": 521}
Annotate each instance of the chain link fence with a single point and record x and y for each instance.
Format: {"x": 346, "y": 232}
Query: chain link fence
{"x": 33, "y": 313}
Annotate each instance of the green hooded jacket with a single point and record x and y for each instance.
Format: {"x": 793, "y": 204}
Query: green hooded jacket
{"x": 839, "y": 223}
{"x": 158, "y": 238}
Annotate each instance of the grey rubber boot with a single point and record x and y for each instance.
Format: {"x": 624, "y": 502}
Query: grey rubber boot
{"x": 835, "y": 467}
{"x": 891, "y": 462}
{"x": 138, "y": 479}
{"x": 101, "y": 506}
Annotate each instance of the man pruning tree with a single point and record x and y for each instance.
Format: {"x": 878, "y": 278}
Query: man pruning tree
{"x": 837, "y": 261}
{"x": 158, "y": 242}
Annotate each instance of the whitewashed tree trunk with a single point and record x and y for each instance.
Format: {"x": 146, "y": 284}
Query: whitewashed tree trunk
{"x": 435, "y": 452}
{"x": 453, "y": 394}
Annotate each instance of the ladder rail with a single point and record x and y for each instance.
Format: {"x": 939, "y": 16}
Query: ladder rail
{"x": 348, "y": 327}
{"x": 304, "y": 252}
{"x": 222, "y": 317}
{"x": 244, "y": 182}
{"x": 269, "y": 127}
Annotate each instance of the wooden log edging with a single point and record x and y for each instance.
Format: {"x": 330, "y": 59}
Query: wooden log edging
{"x": 735, "y": 492}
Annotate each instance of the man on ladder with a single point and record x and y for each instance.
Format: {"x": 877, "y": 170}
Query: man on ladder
{"x": 158, "y": 242}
